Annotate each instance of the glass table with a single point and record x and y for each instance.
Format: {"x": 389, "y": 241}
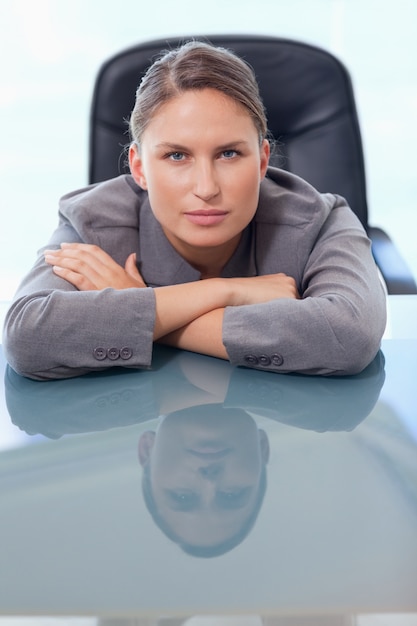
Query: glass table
{"x": 198, "y": 493}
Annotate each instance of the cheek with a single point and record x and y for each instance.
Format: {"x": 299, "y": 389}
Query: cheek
{"x": 161, "y": 198}
{"x": 164, "y": 189}
{"x": 166, "y": 465}
{"x": 252, "y": 182}
{"x": 246, "y": 200}
{"x": 244, "y": 184}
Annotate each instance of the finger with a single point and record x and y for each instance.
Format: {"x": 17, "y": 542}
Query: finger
{"x": 84, "y": 275}
{"x": 79, "y": 281}
{"x": 90, "y": 254}
{"x": 79, "y": 246}
{"x": 72, "y": 246}
{"x": 89, "y": 267}
{"x": 132, "y": 271}
{"x": 89, "y": 261}
{"x": 131, "y": 267}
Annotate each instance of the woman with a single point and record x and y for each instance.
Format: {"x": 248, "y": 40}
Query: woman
{"x": 202, "y": 247}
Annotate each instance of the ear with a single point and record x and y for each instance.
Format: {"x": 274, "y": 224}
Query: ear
{"x": 136, "y": 166}
{"x": 265, "y": 154}
{"x": 264, "y": 445}
{"x": 146, "y": 441}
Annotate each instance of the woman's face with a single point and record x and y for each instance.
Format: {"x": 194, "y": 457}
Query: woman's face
{"x": 202, "y": 165}
{"x": 205, "y": 471}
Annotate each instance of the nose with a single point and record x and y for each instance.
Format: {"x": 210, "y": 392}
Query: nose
{"x": 206, "y": 185}
{"x": 211, "y": 471}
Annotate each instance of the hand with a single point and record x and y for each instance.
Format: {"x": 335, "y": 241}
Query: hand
{"x": 88, "y": 268}
{"x": 191, "y": 314}
{"x": 258, "y": 289}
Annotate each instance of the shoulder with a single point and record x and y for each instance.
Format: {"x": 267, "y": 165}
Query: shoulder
{"x": 288, "y": 199}
{"x": 114, "y": 202}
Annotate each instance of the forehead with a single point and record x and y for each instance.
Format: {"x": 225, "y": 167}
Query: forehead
{"x": 199, "y": 111}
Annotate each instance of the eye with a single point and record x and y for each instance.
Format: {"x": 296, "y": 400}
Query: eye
{"x": 230, "y": 154}
{"x": 175, "y": 156}
{"x": 182, "y": 500}
{"x": 234, "y": 498}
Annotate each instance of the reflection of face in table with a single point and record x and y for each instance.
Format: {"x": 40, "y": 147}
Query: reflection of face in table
{"x": 205, "y": 476}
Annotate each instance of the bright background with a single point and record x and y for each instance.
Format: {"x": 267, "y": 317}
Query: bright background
{"x": 50, "y": 51}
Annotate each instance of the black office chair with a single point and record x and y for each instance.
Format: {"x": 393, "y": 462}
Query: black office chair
{"x": 311, "y": 112}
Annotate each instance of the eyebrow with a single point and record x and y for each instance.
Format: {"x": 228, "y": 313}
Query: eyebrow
{"x": 166, "y": 145}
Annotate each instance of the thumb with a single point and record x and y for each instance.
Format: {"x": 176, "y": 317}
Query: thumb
{"x": 131, "y": 267}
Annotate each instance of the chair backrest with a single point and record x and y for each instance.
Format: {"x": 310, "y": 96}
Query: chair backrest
{"x": 307, "y": 94}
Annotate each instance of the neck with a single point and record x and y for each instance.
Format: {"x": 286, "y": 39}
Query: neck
{"x": 209, "y": 261}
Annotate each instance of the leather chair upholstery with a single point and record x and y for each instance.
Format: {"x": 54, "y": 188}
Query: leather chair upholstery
{"x": 312, "y": 116}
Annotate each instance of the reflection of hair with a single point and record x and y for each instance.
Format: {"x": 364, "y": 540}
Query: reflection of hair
{"x": 203, "y": 551}
{"x": 196, "y": 65}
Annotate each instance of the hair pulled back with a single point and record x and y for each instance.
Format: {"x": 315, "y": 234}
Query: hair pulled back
{"x": 194, "y": 66}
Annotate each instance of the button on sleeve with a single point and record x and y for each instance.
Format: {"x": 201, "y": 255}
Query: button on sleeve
{"x": 277, "y": 359}
{"x": 251, "y": 359}
{"x": 264, "y": 360}
{"x": 99, "y": 353}
{"x": 113, "y": 354}
{"x": 126, "y": 353}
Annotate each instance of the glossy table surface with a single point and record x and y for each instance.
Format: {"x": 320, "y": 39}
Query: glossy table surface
{"x": 197, "y": 488}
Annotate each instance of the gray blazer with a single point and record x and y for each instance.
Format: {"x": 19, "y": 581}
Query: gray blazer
{"x": 52, "y": 330}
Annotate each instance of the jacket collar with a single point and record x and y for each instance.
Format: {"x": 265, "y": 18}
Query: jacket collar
{"x": 160, "y": 264}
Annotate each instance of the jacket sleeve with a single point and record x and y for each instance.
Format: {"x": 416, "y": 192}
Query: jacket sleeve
{"x": 336, "y": 327}
{"x": 52, "y": 330}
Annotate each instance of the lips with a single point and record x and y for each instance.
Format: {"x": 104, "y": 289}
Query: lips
{"x": 206, "y": 217}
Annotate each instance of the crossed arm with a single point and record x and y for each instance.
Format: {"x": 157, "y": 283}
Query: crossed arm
{"x": 189, "y": 315}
